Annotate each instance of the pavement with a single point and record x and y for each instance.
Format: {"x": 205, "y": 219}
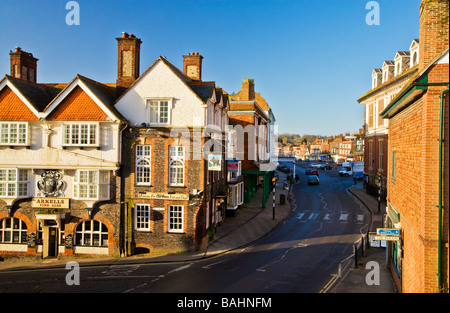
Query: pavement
{"x": 251, "y": 223}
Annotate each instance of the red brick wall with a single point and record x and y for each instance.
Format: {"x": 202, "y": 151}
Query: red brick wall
{"x": 414, "y": 134}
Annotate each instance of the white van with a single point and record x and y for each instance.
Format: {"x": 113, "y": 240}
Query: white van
{"x": 349, "y": 168}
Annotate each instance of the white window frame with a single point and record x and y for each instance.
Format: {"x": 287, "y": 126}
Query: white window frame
{"x": 176, "y": 156}
{"x": 95, "y": 185}
{"x": 175, "y": 220}
{"x": 143, "y": 165}
{"x": 72, "y": 134}
{"x": 14, "y": 134}
{"x": 13, "y": 184}
{"x": 150, "y": 107}
{"x": 142, "y": 217}
{"x": 85, "y": 234}
{"x": 13, "y": 230}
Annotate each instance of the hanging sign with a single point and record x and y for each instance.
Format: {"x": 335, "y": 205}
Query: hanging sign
{"x": 215, "y": 162}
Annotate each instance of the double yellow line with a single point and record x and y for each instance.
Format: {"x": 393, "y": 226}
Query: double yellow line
{"x": 330, "y": 283}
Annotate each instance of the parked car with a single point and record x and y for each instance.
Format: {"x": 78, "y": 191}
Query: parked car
{"x": 307, "y": 171}
{"x": 312, "y": 180}
{"x": 314, "y": 172}
{"x": 314, "y": 165}
{"x": 358, "y": 176}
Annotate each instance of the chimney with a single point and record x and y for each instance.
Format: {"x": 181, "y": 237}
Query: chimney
{"x": 434, "y": 26}
{"x": 23, "y": 65}
{"x": 129, "y": 48}
{"x": 248, "y": 89}
{"x": 192, "y": 66}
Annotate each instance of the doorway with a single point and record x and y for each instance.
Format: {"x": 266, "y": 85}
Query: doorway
{"x": 52, "y": 242}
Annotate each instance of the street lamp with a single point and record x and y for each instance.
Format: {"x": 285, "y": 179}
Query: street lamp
{"x": 379, "y": 191}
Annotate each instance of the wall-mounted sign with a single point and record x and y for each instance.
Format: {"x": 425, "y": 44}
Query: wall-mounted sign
{"x": 53, "y": 203}
{"x": 233, "y": 166}
{"x": 214, "y": 162}
{"x": 164, "y": 196}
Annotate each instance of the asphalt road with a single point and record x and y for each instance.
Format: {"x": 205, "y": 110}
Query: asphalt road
{"x": 302, "y": 255}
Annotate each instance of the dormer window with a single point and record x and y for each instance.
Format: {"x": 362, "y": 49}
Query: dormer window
{"x": 414, "y": 53}
{"x": 415, "y": 59}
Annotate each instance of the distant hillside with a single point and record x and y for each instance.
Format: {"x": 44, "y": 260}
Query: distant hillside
{"x": 295, "y": 139}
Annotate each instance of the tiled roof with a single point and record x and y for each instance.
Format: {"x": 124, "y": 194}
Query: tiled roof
{"x": 38, "y": 95}
{"x": 77, "y": 106}
{"x": 12, "y": 107}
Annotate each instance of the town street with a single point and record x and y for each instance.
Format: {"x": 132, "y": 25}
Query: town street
{"x": 303, "y": 254}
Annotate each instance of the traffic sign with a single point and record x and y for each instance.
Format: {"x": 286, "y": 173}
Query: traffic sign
{"x": 388, "y": 232}
{"x": 387, "y": 238}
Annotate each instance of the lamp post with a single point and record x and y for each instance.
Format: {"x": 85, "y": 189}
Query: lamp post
{"x": 379, "y": 191}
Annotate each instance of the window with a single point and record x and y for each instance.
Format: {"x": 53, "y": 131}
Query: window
{"x": 175, "y": 219}
{"x": 394, "y": 154}
{"x": 81, "y": 134}
{"x": 142, "y": 217}
{"x": 13, "y": 183}
{"x": 176, "y": 165}
{"x": 13, "y": 133}
{"x": 380, "y": 109}
{"x": 13, "y": 230}
{"x": 91, "y": 233}
{"x": 91, "y": 185}
{"x": 159, "y": 111}
{"x": 380, "y": 155}
{"x": 143, "y": 164}
{"x": 371, "y": 154}
{"x": 370, "y": 123}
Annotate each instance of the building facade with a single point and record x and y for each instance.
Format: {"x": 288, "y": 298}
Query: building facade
{"x": 251, "y": 117}
{"x": 59, "y": 156}
{"x": 175, "y": 177}
{"x": 418, "y": 163}
{"x": 386, "y": 84}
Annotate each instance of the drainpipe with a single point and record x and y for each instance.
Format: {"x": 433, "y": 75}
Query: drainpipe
{"x": 441, "y": 117}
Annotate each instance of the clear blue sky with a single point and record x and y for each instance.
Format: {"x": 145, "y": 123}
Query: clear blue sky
{"x": 311, "y": 59}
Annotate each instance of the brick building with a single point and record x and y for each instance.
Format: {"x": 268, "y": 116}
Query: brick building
{"x": 174, "y": 197}
{"x": 59, "y": 143}
{"x": 418, "y": 163}
{"x": 250, "y": 111}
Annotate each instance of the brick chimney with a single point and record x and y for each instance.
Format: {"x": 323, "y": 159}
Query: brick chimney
{"x": 192, "y": 66}
{"x": 248, "y": 89}
{"x": 434, "y": 28}
{"x": 129, "y": 48}
{"x": 23, "y": 65}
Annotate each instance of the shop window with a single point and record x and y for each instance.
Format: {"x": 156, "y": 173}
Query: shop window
{"x": 13, "y": 230}
{"x": 91, "y": 233}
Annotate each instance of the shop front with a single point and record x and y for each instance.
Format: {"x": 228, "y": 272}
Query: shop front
{"x": 394, "y": 248}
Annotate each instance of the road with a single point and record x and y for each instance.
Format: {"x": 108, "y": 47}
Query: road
{"x": 302, "y": 255}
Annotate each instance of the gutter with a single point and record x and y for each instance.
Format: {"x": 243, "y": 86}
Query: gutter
{"x": 441, "y": 117}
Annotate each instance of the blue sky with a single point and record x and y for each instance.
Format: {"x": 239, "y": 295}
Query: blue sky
{"x": 310, "y": 59}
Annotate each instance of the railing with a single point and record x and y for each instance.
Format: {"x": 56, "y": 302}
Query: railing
{"x": 360, "y": 248}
